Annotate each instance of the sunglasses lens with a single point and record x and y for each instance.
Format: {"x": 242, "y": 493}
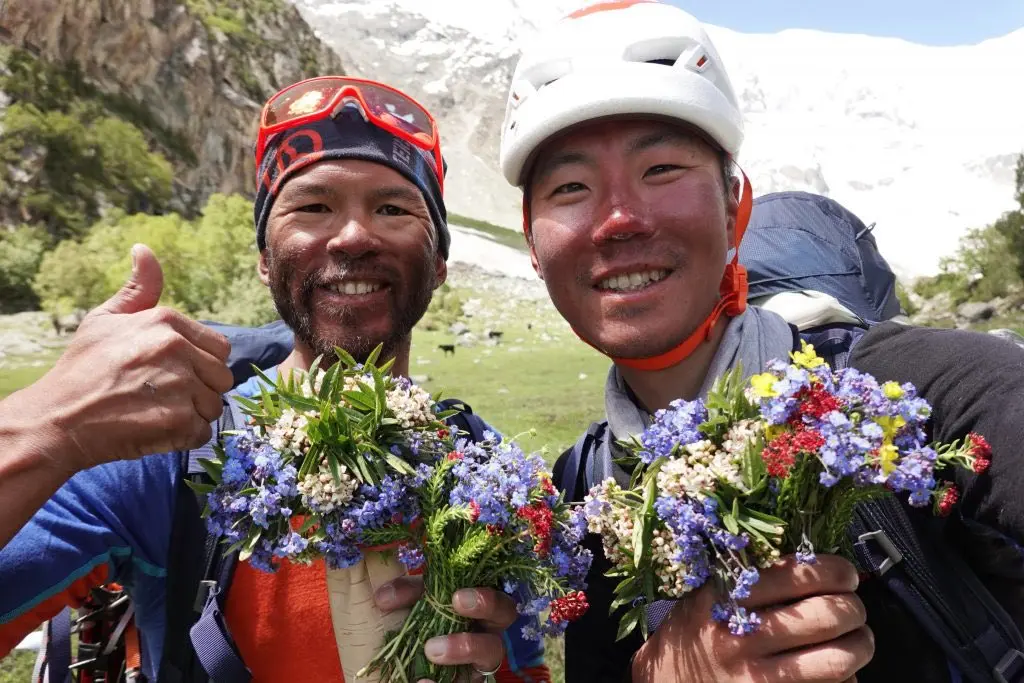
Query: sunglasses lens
{"x": 313, "y": 97}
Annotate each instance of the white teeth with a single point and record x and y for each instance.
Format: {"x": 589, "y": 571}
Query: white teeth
{"x": 356, "y": 287}
{"x": 632, "y": 280}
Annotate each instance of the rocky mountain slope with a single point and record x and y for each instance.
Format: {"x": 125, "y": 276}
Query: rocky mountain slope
{"x": 192, "y": 74}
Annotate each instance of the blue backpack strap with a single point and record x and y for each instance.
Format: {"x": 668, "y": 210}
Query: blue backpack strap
{"x": 465, "y": 420}
{"x": 833, "y": 343}
{"x": 197, "y": 642}
{"x": 53, "y": 664}
{"x": 577, "y": 475}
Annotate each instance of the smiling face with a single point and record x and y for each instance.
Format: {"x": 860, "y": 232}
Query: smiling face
{"x": 351, "y": 257}
{"x": 631, "y": 223}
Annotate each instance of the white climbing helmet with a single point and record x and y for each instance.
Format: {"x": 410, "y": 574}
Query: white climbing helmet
{"x": 617, "y": 57}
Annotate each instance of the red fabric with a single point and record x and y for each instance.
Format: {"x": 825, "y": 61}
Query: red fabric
{"x": 271, "y": 615}
{"x": 74, "y": 595}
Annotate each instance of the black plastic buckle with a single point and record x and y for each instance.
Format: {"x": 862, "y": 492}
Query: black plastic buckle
{"x": 1010, "y": 668}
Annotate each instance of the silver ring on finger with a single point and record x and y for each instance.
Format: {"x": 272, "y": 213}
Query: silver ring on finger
{"x": 149, "y": 385}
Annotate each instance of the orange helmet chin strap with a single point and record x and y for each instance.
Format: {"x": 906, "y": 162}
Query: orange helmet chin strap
{"x": 732, "y": 301}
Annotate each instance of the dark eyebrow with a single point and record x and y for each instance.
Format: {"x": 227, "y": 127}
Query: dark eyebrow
{"x": 659, "y": 137}
{"x": 298, "y": 190}
{"x": 553, "y": 163}
{"x": 400, "y": 192}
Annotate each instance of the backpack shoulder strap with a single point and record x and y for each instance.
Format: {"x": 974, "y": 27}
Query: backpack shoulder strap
{"x": 197, "y": 643}
{"x": 939, "y": 589}
{"x": 834, "y": 343}
{"x": 465, "y": 420}
{"x": 574, "y": 474}
{"x": 54, "y": 660}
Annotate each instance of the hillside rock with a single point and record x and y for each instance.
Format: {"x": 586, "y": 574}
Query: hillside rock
{"x": 201, "y": 77}
{"x": 974, "y": 311}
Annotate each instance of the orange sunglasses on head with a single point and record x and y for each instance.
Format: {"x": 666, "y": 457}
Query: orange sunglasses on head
{"x": 319, "y": 98}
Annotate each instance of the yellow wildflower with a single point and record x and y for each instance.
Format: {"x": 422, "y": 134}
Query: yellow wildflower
{"x": 892, "y": 391}
{"x": 888, "y": 454}
{"x": 764, "y": 385}
{"x": 890, "y": 425}
{"x": 806, "y": 357}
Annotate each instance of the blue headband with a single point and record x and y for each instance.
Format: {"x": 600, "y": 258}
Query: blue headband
{"x": 347, "y": 136}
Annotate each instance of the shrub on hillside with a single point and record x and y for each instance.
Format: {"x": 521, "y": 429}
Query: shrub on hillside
{"x": 21, "y": 252}
{"x": 445, "y": 308}
{"x": 209, "y": 264}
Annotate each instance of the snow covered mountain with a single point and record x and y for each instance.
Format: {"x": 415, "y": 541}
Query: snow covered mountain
{"x": 920, "y": 140}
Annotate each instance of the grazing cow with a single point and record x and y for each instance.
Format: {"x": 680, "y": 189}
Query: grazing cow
{"x": 495, "y": 335}
{"x": 447, "y": 348}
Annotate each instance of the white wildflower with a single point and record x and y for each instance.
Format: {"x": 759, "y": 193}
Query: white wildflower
{"x": 321, "y": 493}
{"x": 288, "y": 436}
{"x": 412, "y": 407}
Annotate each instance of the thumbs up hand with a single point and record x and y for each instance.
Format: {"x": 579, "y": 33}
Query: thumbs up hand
{"x": 136, "y": 379}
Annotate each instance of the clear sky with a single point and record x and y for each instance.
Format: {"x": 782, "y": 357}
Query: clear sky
{"x": 930, "y": 22}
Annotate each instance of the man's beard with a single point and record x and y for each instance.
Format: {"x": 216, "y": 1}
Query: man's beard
{"x": 297, "y": 312}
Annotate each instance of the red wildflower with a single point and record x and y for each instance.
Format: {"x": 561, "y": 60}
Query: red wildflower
{"x": 981, "y": 450}
{"x": 539, "y": 516}
{"x": 569, "y": 607}
{"x": 949, "y": 498}
{"x": 495, "y": 529}
{"x": 816, "y": 401}
{"x": 547, "y": 488}
{"x": 780, "y": 453}
{"x": 455, "y": 455}
{"x": 442, "y": 433}
{"x": 474, "y": 511}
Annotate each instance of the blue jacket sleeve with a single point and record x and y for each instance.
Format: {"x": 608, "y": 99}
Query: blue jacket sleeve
{"x": 111, "y": 523}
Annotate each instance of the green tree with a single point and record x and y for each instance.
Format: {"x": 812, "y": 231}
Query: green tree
{"x": 21, "y": 252}
{"x": 66, "y": 167}
{"x": 1011, "y": 224}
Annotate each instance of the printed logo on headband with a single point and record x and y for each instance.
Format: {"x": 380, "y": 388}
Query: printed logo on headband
{"x": 299, "y": 149}
{"x": 401, "y": 151}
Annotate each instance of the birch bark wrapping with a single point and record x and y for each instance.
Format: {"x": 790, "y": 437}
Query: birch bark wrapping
{"x": 359, "y": 626}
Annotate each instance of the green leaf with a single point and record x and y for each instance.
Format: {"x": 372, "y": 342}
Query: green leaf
{"x": 250, "y": 545}
{"x": 345, "y": 357}
{"x": 310, "y": 522}
{"x": 213, "y": 468}
{"x": 629, "y": 621}
{"x": 200, "y": 488}
{"x": 358, "y": 399}
{"x": 398, "y": 464}
{"x": 371, "y": 360}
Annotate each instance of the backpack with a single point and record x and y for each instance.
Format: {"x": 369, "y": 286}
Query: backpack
{"x": 197, "y": 644}
{"x": 832, "y": 284}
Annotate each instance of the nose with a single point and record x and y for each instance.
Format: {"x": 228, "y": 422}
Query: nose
{"x": 621, "y": 222}
{"x": 355, "y": 238}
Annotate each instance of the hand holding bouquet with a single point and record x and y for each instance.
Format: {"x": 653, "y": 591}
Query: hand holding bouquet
{"x": 726, "y": 486}
{"x": 359, "y": 468}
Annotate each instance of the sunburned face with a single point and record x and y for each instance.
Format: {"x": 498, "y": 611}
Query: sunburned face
{"x": 630, "y": 228}
{"x": 351, "y": 257}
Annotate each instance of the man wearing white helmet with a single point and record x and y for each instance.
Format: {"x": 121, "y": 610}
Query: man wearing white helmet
{"x": 622, "y": 128}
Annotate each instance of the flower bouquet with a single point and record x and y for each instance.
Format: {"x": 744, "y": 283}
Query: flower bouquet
{"x": 723, "y": 487}
{"x": 359, "y": 468}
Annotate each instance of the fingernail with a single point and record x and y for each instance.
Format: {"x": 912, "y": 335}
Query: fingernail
{"x": 385, "y": 595}
{"x": 436, "y": 648}
{"x": 467, "y": 599}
